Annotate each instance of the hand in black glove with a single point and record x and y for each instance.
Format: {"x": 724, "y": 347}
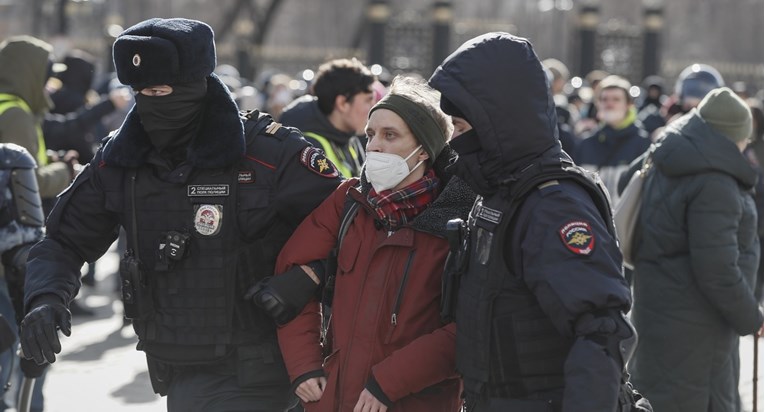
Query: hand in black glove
{"x": 283, "y": 296}
{"x": 39, "y": 337}
{"x": 30, "y": 369}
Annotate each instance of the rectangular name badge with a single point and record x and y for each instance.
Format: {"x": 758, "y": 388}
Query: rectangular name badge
{"x": 489, "y": 214}
{"x": 207, "y": 190}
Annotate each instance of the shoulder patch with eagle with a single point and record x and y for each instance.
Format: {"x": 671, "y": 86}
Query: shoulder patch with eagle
{"x": 578, "y": 237}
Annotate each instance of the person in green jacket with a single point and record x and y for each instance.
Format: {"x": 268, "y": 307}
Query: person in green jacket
{"x": 24, "y": 101}
{"x": 696, "y": 256}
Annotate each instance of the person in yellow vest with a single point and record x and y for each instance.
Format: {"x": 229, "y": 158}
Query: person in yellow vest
{"x": 23, "y": 102}
{"x": 336, "y": 112}
{"x": 24, "y": 70}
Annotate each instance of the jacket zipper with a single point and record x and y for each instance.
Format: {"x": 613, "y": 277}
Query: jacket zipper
{"x": 401, "y": 287}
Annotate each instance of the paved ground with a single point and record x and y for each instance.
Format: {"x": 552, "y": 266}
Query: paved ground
{"x": 746, "y": 383}
{"x": 99, "y": 368}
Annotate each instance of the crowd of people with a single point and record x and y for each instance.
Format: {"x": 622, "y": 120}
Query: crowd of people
{"x": 349, "y": 241}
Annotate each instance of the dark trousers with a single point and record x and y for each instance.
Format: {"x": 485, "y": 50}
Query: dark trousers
{"x": 202, "y": 391}
{"x": 502, "y": 405}
{"x": 546, "y": 401}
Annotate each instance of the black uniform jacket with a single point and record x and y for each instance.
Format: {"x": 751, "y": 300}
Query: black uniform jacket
{"x": 498, "y": 83}
{"x": 82, "y": 226}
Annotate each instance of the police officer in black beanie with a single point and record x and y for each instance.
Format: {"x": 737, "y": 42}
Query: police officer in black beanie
{"x": 207, "y": 196}
{"x": 541, "y": 300}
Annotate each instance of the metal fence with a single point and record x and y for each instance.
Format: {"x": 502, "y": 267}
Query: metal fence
{"x": 619, "y": 50}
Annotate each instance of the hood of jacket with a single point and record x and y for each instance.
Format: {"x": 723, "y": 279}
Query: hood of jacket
{"x": 219, "y": 142}
{"x": 498, "y": 83}
{"x": 304, "y": 113}
{"x": 24, "y": 70}
{"x": 690, "y": 146}
{"x": 455, "y": 199}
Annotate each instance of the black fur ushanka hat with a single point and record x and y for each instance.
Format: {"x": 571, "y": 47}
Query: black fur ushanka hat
{"x": 164, "y": 51}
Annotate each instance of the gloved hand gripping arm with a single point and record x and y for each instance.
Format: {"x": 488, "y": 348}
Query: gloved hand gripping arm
{"x": 284, "y": 296}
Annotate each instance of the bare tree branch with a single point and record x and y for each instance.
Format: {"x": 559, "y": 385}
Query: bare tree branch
{"x": 265, "y": 20}
{"x": 229, "y": 18}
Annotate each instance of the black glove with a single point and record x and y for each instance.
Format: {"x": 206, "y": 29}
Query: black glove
{"x": 282, "y": 297}
{"x": 39, "y": 337}
{"x": 30, "y": 369}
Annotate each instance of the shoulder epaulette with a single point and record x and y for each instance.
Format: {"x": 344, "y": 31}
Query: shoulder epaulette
{"x": 548, "y": 184}
{"x": 273, "y": 128}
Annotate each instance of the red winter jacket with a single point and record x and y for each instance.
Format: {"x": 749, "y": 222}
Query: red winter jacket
{"x": 385, "y": 321}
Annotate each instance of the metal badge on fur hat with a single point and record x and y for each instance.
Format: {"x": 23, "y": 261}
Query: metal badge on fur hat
{"x": 164, "y": 51}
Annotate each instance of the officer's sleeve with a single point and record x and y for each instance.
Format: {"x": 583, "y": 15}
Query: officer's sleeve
{"x": 713, "y": 226}
{"x": 79, "y": 229}
{"x": 312, "y": 240}
{"x": 305, "y": 178}
{"x": 573, "y": 267}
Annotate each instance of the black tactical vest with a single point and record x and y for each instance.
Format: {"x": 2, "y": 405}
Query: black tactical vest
{"x": 199, "y": 315}
{"x": 506, "y": 346}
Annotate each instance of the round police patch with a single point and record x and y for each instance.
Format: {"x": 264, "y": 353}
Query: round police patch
{"x": 314, "y": 160}
{"x": 577, "y": 236}
{"x": 208, "y": 219}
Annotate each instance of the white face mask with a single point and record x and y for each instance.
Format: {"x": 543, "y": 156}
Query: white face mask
{"x": 610, "y": 116}
{"x": 387, "y": 170}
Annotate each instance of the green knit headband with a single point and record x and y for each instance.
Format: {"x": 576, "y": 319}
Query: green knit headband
{"x": 420, "y": 122}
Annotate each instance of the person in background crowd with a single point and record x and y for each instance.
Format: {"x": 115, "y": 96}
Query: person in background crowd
{"x": 649, "y": 112}
{"x": 619, "y": 139}
{"x": 542, "y": 300}
{"x": 653, "y": 89}
{"x": 558, "y": 78}
{"x": 336, "y": 112}
{"x": 73, "y": 122}
{"x": 696, "y": 256}
{"x": 589, "y": 119}
{"x": 25, "y": 67}
{"x": 24, "y": 70}
{"x": 692, "y": 84}
{"x": 207, "y": 199}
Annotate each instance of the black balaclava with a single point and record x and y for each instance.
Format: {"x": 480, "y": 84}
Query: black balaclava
{"x": 468, "y": 147}
{"x": 172, "y": 120}
{"x": 469, "y": 164}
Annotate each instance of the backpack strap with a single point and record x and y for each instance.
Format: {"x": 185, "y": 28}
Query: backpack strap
{"x": 350, "y": 210}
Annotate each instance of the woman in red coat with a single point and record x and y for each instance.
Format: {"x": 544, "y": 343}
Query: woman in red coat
{"x": 389, "y": 349}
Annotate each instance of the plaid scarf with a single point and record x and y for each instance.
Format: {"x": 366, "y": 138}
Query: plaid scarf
{"x": 396, "y": 208}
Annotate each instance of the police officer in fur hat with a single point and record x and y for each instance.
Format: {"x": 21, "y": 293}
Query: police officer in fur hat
{"x": 207, "y": 196}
